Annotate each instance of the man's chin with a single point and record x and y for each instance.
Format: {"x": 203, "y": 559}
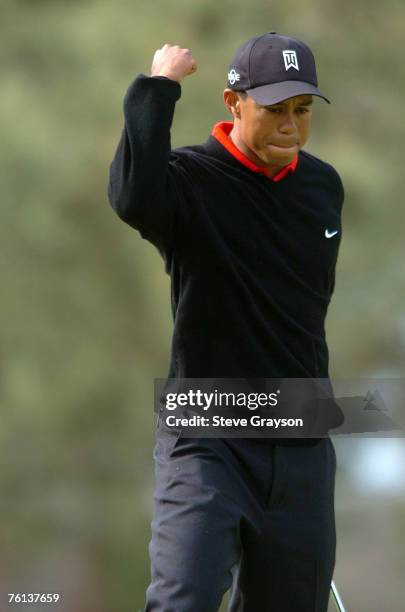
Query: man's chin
{"x": 279, "y": 156}
{"x": 276, "y": 153}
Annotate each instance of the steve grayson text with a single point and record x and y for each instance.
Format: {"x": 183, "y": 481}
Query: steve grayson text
{"x": 221, "y": 421}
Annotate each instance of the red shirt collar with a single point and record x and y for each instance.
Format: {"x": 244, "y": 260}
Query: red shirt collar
{"x": 221, "y": 131}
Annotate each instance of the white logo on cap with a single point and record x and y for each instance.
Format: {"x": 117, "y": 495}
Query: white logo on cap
{"x": 290, "y": 59}
{"x": 233, "y": 76}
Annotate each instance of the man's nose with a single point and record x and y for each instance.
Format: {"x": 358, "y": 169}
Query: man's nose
{"x": 288, "y": 124}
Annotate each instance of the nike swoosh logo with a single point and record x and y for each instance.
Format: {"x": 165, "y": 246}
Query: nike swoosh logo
{"x": 329, "y": 234}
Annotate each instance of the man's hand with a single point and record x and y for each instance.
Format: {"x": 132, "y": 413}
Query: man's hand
{"x": 173, "y": 62}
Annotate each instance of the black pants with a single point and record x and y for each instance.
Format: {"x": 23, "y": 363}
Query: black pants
{"x": 243, "y": 513}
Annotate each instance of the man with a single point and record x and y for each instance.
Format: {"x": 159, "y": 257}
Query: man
{"x": 249, "y": 228}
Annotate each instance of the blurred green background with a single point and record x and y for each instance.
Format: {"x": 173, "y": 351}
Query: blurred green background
{"x": 85, "y": 312}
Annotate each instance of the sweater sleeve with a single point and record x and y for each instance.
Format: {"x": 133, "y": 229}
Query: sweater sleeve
{"x": 145, "y": 179}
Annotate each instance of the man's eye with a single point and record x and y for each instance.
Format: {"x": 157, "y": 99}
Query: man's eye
{"x": 300, "y": 109}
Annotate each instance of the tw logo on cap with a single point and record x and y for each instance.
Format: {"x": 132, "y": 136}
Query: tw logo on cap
{"x": 290, "y": 59}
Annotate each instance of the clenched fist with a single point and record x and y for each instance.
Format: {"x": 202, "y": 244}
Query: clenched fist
{"x": 173, "y": 62}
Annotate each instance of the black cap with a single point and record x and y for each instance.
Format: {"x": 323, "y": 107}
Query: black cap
{"x": 272, "y": 68}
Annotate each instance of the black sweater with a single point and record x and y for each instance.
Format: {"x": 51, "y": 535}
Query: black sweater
{"x": 252, "y": 271}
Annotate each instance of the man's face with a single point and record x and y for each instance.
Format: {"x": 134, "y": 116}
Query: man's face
{"x": 273, "y": 134}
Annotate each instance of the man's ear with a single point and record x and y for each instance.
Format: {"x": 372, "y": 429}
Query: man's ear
{"x": 232, "y": 102}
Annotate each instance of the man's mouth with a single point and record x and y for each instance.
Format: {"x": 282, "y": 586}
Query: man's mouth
{"x": 283, "y": 146}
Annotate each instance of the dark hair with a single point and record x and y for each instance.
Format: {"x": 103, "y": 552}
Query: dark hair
{"x": 242, "y": 94}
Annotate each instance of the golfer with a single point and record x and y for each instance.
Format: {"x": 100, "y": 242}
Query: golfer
{"x": 249, "y": 225}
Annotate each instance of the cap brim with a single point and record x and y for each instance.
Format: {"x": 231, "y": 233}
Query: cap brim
{"x": 277, "y": 92}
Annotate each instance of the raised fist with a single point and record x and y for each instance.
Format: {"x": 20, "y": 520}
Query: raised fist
{"x": 173, "y": 62}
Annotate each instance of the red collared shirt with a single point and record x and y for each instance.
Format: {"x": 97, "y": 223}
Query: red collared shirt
{"x": 221, "y": 132}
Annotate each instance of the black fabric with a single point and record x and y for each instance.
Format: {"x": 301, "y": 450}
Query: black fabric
{"x": 240, "y": 514}
{"x": 252, "y": 272}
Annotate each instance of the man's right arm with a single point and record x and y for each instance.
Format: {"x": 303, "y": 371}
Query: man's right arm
{"x": 142, "y": 184}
